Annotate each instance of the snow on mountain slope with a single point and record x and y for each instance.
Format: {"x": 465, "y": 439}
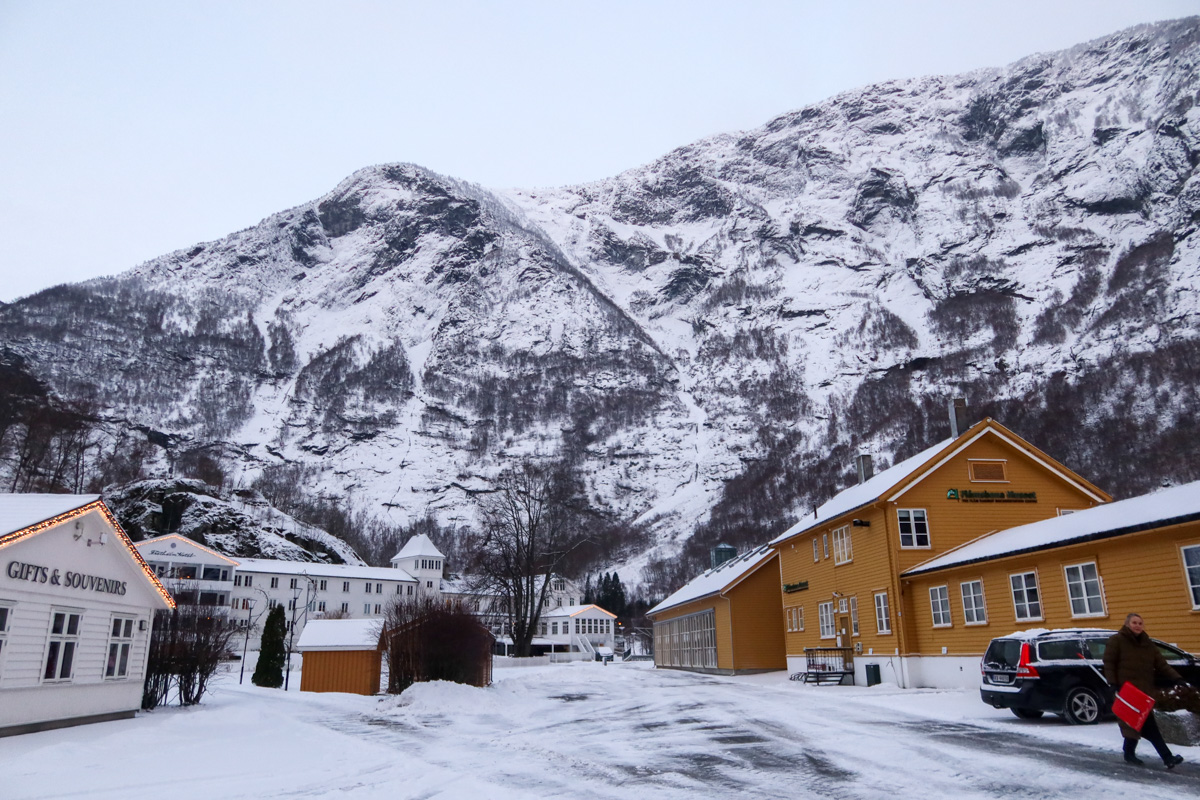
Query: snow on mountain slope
{"x": 707, "y": 337}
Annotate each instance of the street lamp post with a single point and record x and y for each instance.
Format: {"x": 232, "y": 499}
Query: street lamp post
{"x": 246, "y": 642}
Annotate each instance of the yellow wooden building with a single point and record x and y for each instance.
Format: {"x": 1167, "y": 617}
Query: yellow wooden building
{"x": 1085, "y": 570}
{"x": 341, "y": 655}
{"x": 841, "y": 567}
{"x": 725, "y": 621}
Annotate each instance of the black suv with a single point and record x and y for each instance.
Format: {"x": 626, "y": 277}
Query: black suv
{"x": 1060, "y": 671}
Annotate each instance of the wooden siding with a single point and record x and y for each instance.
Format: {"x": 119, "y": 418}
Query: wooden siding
{"x": 757, "y": 619}
{"x": 720, "y": 607}
{"x": 1140, "y": 572}
{"x": 878, "y": 558}
{"x": 351, "y": 671}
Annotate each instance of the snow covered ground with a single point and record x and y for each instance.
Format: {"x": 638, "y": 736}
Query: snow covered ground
{"x": 585, "y": 730}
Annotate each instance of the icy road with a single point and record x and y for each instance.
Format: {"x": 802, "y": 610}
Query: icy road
{"x": 584, "y": 730}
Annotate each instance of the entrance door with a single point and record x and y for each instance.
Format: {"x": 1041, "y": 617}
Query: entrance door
{"x": 843, "y": 631}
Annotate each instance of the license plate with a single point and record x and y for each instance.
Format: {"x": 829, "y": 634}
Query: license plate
{"x": 1001, "y": 680}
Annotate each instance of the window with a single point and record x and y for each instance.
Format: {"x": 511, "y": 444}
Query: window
{"x": 368, "y": 588}
{"x": 816, "y": 550}
{"x": 321, "y": 606}
{"x": 883, "y": 619}
{"x": 554, "y": 628}
{"x": 982, "y": 471}
{"x": 292, "y": 604}
{"x": 237, "y": 580}
{"x": 974, "y": 610}
{"x": 689, "y": 641}
{"x": 366, "y": 609}
{"x": 379, "y": 588}
{"x": 1026, "y": 601}
{"x": 825, "y": 544}
{"x": 1084, "y": 590}
{"x": 854, "y": 616}
{"x": 213, "y": 574}
{"x": 1191, "y": 568}
{"x": 843, "y": 552}
{"x": 322, "y": 586}
{"x": 914, "y": 527}
{"x": 249, "y": 580}
{"x": 5, "y": 620}
{"x": 120, "y": 641}
{"x": 345, "y": 608}
{"x": 825, "y": 620}
{"x": 64, "y": 637}
{"x": 377, "y": 608}
{"x": 410, "y": 590}
{"x": 292, "y": 583}
{"x": 274, "y": 583}
{"x": 939, "y": 602}
{"x": 795, "y": 618}
{"x": 428, "y": 584}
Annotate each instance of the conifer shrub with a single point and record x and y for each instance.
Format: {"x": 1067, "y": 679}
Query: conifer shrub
{"x": 272, "y": 652}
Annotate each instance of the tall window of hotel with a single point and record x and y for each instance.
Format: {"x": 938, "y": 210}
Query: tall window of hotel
{"x": 1084, "y": 590}
{"x": 1026, "y": 600}
{"x": 1191, "y": 566}
{"x": 795, "y": 619}
{"x": 60, "y": 651}
{"x": 689, "y": 641}
{"x": 974, "y": 610}
{"x": 883, "y": 618}
{"x": 843, "y": 552}
{"x": 939, "y": 601}
{"x": 825, "y": 620}
{"x": 120, "y": 641}
{"x": 914, "y": 528}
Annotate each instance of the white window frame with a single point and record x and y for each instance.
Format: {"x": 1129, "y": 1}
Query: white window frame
{"x": 971, "y": 470}
{"x": 293, "y": 583}
{"x": 345, "y": 608}
{"x": 912, "y": 522}
{"x": 1081, "y": 582}
{"x": 939, "y": 605}
{"x": 6, "y": 615}
{"x": 366, "y": 609}
{"x": 825, "y": 544}
{"x": 854, "y": 616}
{"x": 322, "y": 585}
{"x": 883, "y": 614}
{"x": 66, "y": 641}
{"x": 795, "y": 619}
{"x": 974, "y": 613}
{"x": 1024, "y": 590}
{"x": 843, "y": 547}
{"x": 274, "y": 583}
{"x": 825, "y": 620}
{"x": 120, "y": 647}
{"x": 1190, "y": 557}
{"x": 816, "y": 550}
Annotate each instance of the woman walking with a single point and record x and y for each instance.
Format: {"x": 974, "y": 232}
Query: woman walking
{"x": 1130, "y": 656}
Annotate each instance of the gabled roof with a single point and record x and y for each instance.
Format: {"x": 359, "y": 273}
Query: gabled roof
{"x": 21, "y": 511}
{"x": 24, "y": 515}
{"x": 574, "y": 611}
{"x": 717, "y": 580}
{"x": 1157, "y": 510}
{"x": 419, "y": 545}
{"x": 894, "y": 481}
{"x": 175, "y": 538}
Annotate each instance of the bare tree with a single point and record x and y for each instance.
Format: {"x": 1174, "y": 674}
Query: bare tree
{"x": 427, "y": 639}
{"x": 529, "y": 529}
{"x": 187, "y": 645}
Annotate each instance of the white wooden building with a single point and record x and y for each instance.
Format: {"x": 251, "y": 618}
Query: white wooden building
{"x": 77, "y": 605}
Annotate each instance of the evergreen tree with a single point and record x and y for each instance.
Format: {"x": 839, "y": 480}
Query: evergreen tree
{"x": 589, "y": 594}
{"x": 272, "y": 652}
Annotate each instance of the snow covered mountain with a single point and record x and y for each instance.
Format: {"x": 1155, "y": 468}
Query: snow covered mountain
{"x": 707, "y": 338}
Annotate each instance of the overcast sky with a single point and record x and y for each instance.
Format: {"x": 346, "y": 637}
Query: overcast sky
{"x": 130, "y": 129}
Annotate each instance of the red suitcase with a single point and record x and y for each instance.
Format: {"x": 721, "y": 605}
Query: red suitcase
{"x": 1132, "y": 706}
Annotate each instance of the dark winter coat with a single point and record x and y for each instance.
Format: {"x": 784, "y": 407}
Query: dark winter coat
{"x": 1136, "y": 659}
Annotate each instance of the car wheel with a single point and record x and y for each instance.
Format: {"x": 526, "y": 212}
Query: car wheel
{"x": 1027, "y": 713}
{"x": 1082, "y": 706}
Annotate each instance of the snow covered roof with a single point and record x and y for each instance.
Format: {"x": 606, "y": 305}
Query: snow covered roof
{"x": 717, "y": 580}
{"x": 340, "y": 634}
{"x": 317, "y": 570}
{"x": 419, "y": 545}
{"x": 20, "y": 511}
{"x": 1156, "y": 510}
{"x": 897, "y": 476}
{"x": 574, "y": 611}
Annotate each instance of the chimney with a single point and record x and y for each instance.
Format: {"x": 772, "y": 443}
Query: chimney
{"x": 958, "y": 417}
{"x": 866, "y": 467}
{"x": 722, "y": 553}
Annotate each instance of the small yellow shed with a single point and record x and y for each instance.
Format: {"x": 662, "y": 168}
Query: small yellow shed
{"x": 341, "y": 655}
